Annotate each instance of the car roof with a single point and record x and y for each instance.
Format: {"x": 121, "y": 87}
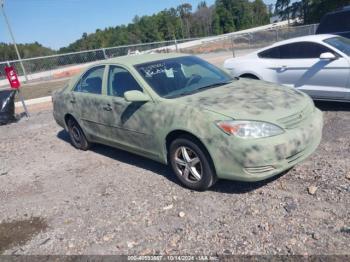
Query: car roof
{"x": 343, "y": 9}
{"x": 141, "y": 58}
{"x": 308, "y": 38}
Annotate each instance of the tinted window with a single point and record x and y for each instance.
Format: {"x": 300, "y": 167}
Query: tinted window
{"x": 182, "y": 76}
{"x": 121, "y": 81}
{"x": 335, "y": 23}
{"x": 302, "y": 50}
{"x": 270, "y": 53}
{"x": 340, "y": 43}
{"x": 91, "y": 82}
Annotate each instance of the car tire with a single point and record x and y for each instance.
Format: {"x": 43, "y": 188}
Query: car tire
{"x": 77, "y": 136}
{"x": 192, "y": 164}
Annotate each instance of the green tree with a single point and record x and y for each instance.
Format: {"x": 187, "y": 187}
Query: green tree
{"x": 185, "y": 16}
{"x": 231, "y": 15}
{"x": 309, "y": 11}
{"x": 7, "y": 51}
{"x": 224, "y": 16}
{"x": 283, "y": 9}
{"x": 260, "y": 15}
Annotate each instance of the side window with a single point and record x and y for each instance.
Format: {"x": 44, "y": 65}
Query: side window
{"x": 196, "y": 69}
{"x": 273, "y": 53}
{"x": 91, "y": 82}
{"x": 302, "y": 50}
{"x": 120, "y": 81}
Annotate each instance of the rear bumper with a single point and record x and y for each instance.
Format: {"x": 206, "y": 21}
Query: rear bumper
{"x": 58, "y": 118}
{"x": 259, "y": 159}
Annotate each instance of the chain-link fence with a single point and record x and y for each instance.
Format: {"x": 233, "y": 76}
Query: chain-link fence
{"x": 66, "y": 65}
{"x": 254, "y": 40}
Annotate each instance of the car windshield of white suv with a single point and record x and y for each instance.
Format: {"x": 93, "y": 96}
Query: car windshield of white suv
{"x": 182, "y": 76}
{"x": 340, "y": 43}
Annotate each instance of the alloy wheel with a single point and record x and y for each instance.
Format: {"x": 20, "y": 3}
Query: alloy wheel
{"x": 188, "y": 164}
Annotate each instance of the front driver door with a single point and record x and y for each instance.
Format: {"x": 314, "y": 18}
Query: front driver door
{"x": 130, "y": 124}
{"x": 300, "y": 66}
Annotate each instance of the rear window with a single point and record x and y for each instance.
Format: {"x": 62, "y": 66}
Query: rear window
{"x": 273, "y": 53}
{"x": 335, "y": 23}
{"x": 299, "y": 50}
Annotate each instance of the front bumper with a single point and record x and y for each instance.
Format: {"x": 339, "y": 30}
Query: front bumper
{"x": 259, "y": 159}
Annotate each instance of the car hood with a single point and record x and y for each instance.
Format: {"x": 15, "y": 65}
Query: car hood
{"x": 246, "y": 99}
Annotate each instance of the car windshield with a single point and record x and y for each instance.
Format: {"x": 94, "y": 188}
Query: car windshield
{"x": 182, "y": 76}
{"x": 340, "y": 43}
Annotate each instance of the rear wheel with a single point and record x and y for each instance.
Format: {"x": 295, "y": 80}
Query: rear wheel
{"x": 191, "y": 164}
{"x": 77, "y": 135}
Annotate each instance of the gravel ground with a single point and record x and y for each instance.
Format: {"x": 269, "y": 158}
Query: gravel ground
{"x": 55, "y": 199}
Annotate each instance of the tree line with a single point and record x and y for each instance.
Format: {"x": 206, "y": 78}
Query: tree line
{"x": 309, "y": 11}
{"x": 178, "y": 23}
{"x": 7, "y": 51}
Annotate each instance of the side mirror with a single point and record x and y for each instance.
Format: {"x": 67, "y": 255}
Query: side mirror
{"x": 136, "y": 96}
{"x": 328, "y": 56}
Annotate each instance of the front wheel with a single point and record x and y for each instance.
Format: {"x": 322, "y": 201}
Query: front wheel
{"x": 77, "y": 135}
{"x": 191, "y": 164}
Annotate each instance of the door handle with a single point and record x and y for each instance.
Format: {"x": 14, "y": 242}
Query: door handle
{"x": 72, "y": 100}
{"x": 107, "y": 107}
{"x": 282, "y": 68}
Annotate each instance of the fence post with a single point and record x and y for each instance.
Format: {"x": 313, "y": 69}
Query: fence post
{"x": 21, "y": 97}
{"x": 104, "y": 53}
{"x": 176, "y": 46}
{"x": 233, "y": 45}
{"x": 14, "y": 44}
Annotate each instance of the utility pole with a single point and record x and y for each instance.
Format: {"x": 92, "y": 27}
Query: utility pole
{"x": 13, "y": 39}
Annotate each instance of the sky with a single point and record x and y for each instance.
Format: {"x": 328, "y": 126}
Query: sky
{"x": 57, "y": 23}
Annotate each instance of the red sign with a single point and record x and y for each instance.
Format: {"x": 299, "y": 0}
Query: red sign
{"x": 12, "y": 77}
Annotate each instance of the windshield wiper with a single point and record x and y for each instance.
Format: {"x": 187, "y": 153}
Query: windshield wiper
{"x": 211, "y": 86}
{"x": 200, "y": 89}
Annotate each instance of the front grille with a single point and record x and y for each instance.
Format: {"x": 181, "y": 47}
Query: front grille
{"x": 294, "y": 120}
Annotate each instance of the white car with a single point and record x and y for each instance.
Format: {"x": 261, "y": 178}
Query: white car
{"x": 319, "y": 65}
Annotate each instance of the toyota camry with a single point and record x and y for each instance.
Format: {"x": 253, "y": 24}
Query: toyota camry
{"x": 183, "y": 111}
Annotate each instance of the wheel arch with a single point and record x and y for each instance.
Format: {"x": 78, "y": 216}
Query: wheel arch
{"x": 250, "y": 75}
{"x": 182, "y": 133}
{"x": 67, "y": 117}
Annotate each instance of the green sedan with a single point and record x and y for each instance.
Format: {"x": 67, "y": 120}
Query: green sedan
{"x": 183, "y": 111}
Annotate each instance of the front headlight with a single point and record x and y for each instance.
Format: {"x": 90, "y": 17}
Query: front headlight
{"x": 249, "y": 129}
